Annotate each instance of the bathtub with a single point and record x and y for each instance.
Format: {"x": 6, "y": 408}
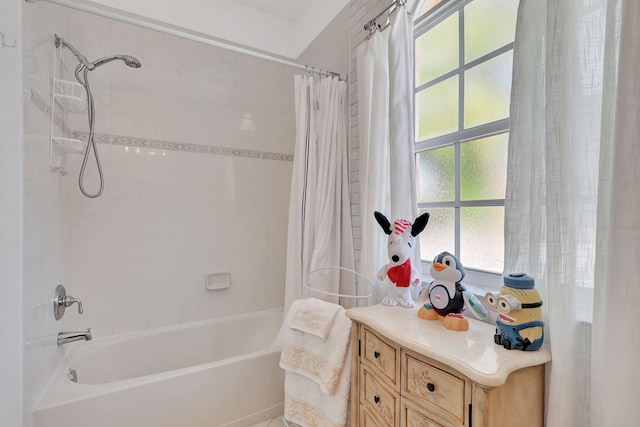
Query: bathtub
{"x": 222, "y": 372}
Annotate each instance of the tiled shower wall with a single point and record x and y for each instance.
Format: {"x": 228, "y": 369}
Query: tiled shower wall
{"x": 196, "y": 182}
{"x": 197, "y": 157}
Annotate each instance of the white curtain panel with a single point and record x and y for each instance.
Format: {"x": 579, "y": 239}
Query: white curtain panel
{"x": 385, "y": 123}
{"x": 373, "y": 125}
{"x": 320, "y": 232}
{"x": 573, "y": 196}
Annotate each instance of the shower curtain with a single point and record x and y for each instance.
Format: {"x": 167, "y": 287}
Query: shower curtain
{"x": 385, "y": 116}
{"x": 319, "y": 233}
{"x": 573, "y": 196}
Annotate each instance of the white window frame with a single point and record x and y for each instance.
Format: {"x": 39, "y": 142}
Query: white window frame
{"x": 477, "y": 280}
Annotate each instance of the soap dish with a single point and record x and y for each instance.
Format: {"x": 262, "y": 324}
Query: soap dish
{"x": 215, "y": 281}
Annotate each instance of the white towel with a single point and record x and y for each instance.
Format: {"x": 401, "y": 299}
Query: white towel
{"x": 317, "y": 372}
{"x": 306, "y": 405}
{"x": 314, "y": 316}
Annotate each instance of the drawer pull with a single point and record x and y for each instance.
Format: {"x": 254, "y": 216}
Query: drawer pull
{"x": 376, "y": 354}
{"x": 431, "y": 387}
{"x": 376, "y": 399}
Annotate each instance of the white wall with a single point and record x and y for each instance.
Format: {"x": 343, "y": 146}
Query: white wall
{"x": 11, "y": 351}
{"x": 47, "y": 205}
{"x": 237, "y": 23}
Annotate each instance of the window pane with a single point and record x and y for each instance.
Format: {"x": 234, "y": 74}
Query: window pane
{"x": 436, "y": 175}
{"x": 439, "y": 234}
{"x": 437, "y": 110}
{"x": 436, "y": 51}
{"x": 427, "y": 6}
{"x": 488, "y": 25}
{"x": 483, "y": 168}
{"x": 482, "y": 238}
{"x": 488, "y": 90}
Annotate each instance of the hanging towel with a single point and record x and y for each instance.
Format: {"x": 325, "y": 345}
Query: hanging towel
{"x": 306, "y": 405}
{"x": 315, "y": 317}
{"x": 317, "y": 372}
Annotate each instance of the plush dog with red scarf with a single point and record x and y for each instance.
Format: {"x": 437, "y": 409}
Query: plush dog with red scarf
{"x": 401, "y": 244}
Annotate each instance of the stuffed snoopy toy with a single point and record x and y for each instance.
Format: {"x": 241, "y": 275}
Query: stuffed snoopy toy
{"x": 400, "y": 247}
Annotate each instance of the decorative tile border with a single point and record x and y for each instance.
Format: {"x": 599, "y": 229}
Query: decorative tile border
{"x": 130, "y": 141}
{"x": 178, "y": 146}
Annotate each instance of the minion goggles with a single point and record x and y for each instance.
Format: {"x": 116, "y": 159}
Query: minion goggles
{"x": 508, "y": 303}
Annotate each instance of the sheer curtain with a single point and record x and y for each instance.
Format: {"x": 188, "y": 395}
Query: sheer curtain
{"x": 319, "y": 233}
{"x": 385, "y": 120}
{"x": 573, "y": 197}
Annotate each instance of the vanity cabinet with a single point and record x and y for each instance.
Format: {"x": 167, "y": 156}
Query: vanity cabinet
{"x": 411, "y": 372}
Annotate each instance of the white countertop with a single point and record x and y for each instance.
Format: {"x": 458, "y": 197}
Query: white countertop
{"x": 473, "y": 353}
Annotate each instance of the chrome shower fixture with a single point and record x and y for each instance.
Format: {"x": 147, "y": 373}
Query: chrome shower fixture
{"x": 84, "y": 67}
{"x": 129, "y": 60}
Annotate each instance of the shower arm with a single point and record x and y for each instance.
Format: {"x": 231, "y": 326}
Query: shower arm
{"x": 59, "y": 41}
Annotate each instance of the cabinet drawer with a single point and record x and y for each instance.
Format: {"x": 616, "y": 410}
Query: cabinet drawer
{"x": 381, "y": 355}
{"x": 367, "y": 419}
{"x": 426, "y": 383}
{"x": 414, "y": 417}
{"x": 381, "y": 401}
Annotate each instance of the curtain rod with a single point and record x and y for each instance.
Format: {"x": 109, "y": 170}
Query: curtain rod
{"x": 185, "y": 35}
{"x": 373, "y": 26}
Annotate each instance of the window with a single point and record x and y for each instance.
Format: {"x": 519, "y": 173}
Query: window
{"x": 463, "y": 66}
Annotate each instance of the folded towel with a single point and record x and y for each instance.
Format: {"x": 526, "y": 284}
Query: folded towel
{"x": 315, "y": 317}
{"x": 308, "y": 355}
{"x": 306, "y": 405}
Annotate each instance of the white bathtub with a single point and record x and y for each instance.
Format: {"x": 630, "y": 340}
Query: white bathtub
{"x": 222, "y": 372}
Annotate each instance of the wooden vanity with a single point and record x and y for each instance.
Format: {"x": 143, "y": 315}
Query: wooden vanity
{"x": 407, "y": 371}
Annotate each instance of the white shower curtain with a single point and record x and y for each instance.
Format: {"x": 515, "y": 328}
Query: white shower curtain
{"x": 573, "y": 197}
{"x": 385, "y": 120}
{"x": 320, "y": 233}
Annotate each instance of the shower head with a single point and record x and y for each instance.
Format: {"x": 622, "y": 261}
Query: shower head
{"x": 129, "y": 60}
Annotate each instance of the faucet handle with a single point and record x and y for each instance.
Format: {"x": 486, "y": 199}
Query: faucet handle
{"x": 61, "y": 301}
{"x": 69, "y": 301}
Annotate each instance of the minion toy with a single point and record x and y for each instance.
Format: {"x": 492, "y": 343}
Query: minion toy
{"x": 519, "y": 322}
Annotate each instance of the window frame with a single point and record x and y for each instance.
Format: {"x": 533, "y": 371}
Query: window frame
{"x": 479, "y": 280}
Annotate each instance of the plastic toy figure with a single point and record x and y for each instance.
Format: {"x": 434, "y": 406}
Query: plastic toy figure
{"x": 400, "y": 247}
{"x": 445, "y": 298}
{"x": 519, "y": 322}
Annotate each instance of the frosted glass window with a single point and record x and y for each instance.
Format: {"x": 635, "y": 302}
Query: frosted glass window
{"x": 437, "y": 51}
{"x": 483, "y": 168}
{"x": 463, "y": 69}
{"x": 437, "y": 110}
{"x": 488, "y": 25}
{"x": 482, "y": 238}
{"x": 436, "y": 175}
{"x": 439, "y": 234}
{"x": 488, "y": 91}
{"x": 427, "y": 6}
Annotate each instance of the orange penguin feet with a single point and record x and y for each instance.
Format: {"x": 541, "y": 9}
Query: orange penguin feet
{"x": 456, "y": 322}
{"x": 427, "y": 313}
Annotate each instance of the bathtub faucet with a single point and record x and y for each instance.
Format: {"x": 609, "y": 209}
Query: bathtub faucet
{"x": 67, "y": 337}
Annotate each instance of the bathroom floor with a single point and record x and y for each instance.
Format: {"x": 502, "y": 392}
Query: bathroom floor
{"x": 274, "y": 422}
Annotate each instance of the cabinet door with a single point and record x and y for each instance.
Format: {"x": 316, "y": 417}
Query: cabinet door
{"x": 413, "y": 415}
{"x": 433, "y": 386}
{"x": 381, "y": 356}
{"x": 380, "y": 400}
{"x": 367, "y": 419}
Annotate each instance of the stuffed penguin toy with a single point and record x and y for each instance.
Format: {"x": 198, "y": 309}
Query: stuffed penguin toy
{"x": 445, "y": 298}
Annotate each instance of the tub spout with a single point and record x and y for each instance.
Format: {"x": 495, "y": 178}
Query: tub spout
{"x": 67, "y": 337}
